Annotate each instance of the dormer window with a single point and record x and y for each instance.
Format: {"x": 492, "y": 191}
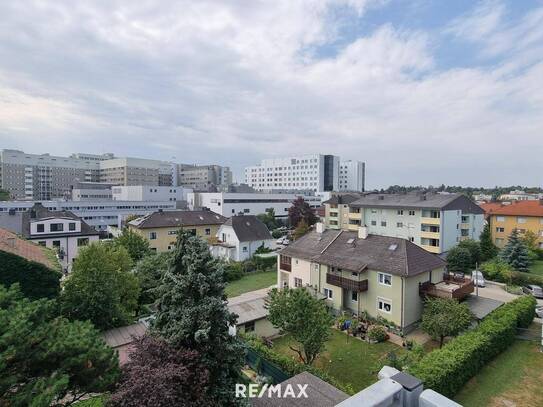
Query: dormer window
{"x": 71, "y": 226}
{"x": 40, "y": 228}
{"x": 56, "y": 227}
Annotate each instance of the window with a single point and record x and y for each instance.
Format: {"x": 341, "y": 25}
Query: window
{"x": 82, "y": 241}
{"x": 354, "y": 274}
{"x": 152, "y": 235}
{"x": 500, "y": 230}
{"x": 40, "y": 228}
{"x": 399, "y": 211}
{"x": 384, "y": 305}
{"x": 411, "y": 213}
{"x": 384, "y": 223}
{"x": 297, "y": 282}
{"x": 499, "y": 241}
{"x": 316, "y": 267}
{"x": 521, "y": 219}
{"x": 42, "y": 243}
{"x": 500, "y": 218}
{"x": 249, "y": 326}
{"x": 56, "y": 243}
{"x": 244, "y": 249}
{"x": 328, "y": 293}
{"x": 374, "y": 223}
{"x": 208, "y": 232}
{"x": 385, "y": 279}
{"x": 233, "y": 211}
{"x": 374, "y": 211}
{"x": 411, "y": 239}
{"x": 246, "y": 211}
{"x": 173, "y": 232}
{"x": 193, "y": 232}
{"x": 71, "y": 226}
{"x": 354, "y": 296}
{"x": 224, "y": 237}
{"x": 56, "y": 227}
{"x": 399, "y": 224}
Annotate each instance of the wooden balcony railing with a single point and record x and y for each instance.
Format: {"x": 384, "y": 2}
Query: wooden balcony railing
{"x": 451, "y": 287}
{"x": 285, "y": 266}
{"x": 347, "y": 283}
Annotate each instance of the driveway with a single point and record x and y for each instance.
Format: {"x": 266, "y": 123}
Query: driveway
{"x": 496, "y": 292}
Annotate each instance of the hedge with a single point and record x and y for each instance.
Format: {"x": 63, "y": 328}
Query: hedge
{"x": 35, "y": 279}
{"x": 447, "y": 369}
{"x": 291, "y": 366}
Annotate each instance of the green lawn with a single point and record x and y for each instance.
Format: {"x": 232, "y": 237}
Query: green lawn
{"x": 251, "y": 282}
{"x": 512, "y": 379}
{"x": 348, "y": 359}
{"x": 537, "y": 267}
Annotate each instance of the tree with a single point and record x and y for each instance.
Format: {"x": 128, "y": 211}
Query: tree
{"x": 304, "y": 317}
{"x": 149, "y": 272}
{"x": 459, "y": 260}
{"x": 4, "y": 195}
{"x": 46, "y": 359}
{"x": 300, "y": 230}
{"x": 299, "y": 210}
{"x": 515, "y": 253}
{"x": 35, "y": 279}
{"x": 488, "y": 249}
{"x": 157, "y": 374}
{"x": 444, "y": 317}
{"x": 268, "y": 219}
{"x": 530, "y": 240}
{"x": 192, "y": 314}
{"x": 474, "y": 249}
{"x": 101, "y": 288}
{"x": 137, "y": 245}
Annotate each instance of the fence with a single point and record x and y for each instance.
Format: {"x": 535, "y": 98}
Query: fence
{"x": 264, "y": 367}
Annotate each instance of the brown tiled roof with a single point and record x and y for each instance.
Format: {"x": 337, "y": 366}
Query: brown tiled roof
{"x": 11, "y": 243}
{"x": 517, "y": 208}
{"x": 343, "y": 249}
{"x": 489, "y": 207}
{"x": 164, "y": 219}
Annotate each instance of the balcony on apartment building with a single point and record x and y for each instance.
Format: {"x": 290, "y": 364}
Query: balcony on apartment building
{"x": 455, "y": 286}
{"x": 353, "y": 284}
{"x": 354, "y": 224}
{"x": 430, "y": 217}
{"x": 430, "y": 232}
{"x": 355, "y": 214}
{"x": 430, "y": 244}
{"x": 285, "y": 263}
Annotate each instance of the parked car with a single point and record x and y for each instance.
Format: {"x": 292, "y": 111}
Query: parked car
{"x": 280, "y": 240}
{"x": 534, "y": 290}
{"x": 478, "y": 278}
{"x": 286, "y": 242}
{"x": 539, "y": 311}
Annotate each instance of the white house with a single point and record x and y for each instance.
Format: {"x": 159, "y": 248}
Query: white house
{"x": 240, "y": 237}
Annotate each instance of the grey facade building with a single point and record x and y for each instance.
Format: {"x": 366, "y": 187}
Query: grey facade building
{"x": 205, "y": 178}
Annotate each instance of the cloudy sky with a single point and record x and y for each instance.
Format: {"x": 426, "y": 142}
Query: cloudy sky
{"x": 424, "y": 91}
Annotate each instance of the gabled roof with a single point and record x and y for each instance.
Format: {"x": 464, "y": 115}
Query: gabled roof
{"x": 248, "y": 228}
{"x": 164, "y": 219}
{"x": 343, "y": 249}
{"x": 11, "y": 243}
{"x": 516, "y": 208}
{"x": 428, "y": 200}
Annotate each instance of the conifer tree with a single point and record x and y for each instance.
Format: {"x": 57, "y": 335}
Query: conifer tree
{"x": 488, "y": 249}
{"x": 192, "y": 315}
{"x": 515, "y": 253}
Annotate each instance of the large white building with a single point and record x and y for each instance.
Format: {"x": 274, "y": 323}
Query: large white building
{"x": 149, "y": 193}
{"x": 352, "y": 176}
{"x": 232, "y": 203}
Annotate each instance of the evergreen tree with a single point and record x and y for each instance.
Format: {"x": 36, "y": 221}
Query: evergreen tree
{"x": 474, "y": 249}
{"x": 488, "y": 249}
{"x": 515, "y": 253}
{"x": 192, "y": 315}
{"x": 458, "y": 260}
{"x": 149, "y": 272}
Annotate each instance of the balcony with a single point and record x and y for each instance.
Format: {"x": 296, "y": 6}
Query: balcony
{"x": 465, "y": 226}
{"x": 429, "y": 235}
{"x": 355, "y": 215}
{"x": 430, "y": 221}
{"x": 285, "y": 266}
{"x": 347, "y": 283}
{"x": 452, "y": 286}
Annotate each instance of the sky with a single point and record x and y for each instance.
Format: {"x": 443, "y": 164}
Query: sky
{"x": 425, "y": 92}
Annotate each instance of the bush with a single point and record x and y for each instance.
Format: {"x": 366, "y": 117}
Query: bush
{"x": 520, "y": 278}
{"x": 447, "y": 369}
{"x": 264, "y": 263}
{"x": 289, "y": 365}
{"x": 276, "y": 233}
{"x": 233, "y": 271}
{"x": 377, "y": 333}
{"x": 497, "y": 270}
{"x": 513, "y": 289}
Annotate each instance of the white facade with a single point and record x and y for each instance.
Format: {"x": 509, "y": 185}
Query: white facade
{"x": 519, "y": 195}
{"x": 233, "y": 249}
{"x": 98, "y": 214}
{"x": 352, "y": 176}
{"x": 149, "y": 193}
{"x": 231, "y": 203}
{"x": 88, "y": 194}
{"x": 315, "y": 172}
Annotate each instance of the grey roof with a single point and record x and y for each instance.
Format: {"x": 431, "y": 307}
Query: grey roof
{"x": 481, "y": 306}
{"x": 40, "y": 212}
{"x": 319, "y": 393}
{"x": 343, "y": 199}
{"x": 247, "y": 310}
{"x": 248, "y": 228}
{"x": 163, "y": 219}
{"x": 343, "y": 249}
{"x": 419, "y": 200}
{"x": 124, "y": 335}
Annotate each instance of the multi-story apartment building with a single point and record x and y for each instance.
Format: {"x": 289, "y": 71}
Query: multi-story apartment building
{"x": 523, "y": 215}
{"x": 519, "y": 195}
{"x": 315, "y": 172}
{"x": 137, "y": 171}
{"x": 352, "y": 176}
{"x": 234, "y": 203}
{"x": 436, "y": 222}
{"x": 352, "y": 271}
{"x": 149, "y": 193}
{"x": 204, "y": 177}
{"x": 43, "y": 176}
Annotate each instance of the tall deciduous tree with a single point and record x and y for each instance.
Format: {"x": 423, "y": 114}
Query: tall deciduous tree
{"x": 136, "y": 245}
{"x": 268, "y": 219}
{"x": 298, "y": 313}
{"x": 444, "y": 317}
{"x": 458, "y": 260}
{"x": 299, "y": 210}
{"x": 300, "y": 230}
{"x": 192, "y": 314}
{"x": 47, "y": 360}
{"x": 474, "y": 249}
{"x": 488, "y": 249}
{"x": 101, "y": 287}
{"x": 515, "y": 253}
{"x": 159, "y": 375}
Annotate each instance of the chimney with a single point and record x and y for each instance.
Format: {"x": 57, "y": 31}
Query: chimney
{"x": 320, "y": 227}
{"x": 362, "y": 232}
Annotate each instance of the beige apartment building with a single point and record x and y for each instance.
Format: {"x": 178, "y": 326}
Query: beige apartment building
{"x": 357, "y": 272}
{"x": 161, "y": 228}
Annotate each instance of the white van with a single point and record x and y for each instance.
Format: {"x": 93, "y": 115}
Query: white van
{"x": 478, "y": 278}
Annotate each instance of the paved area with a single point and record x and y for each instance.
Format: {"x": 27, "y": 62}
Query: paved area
{"x": 496, "y": 292}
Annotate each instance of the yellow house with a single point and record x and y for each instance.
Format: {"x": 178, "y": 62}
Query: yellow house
{"x": 521, "y": 215}
{"x": 161, "y": 228}
{"x": 356, "y": 272}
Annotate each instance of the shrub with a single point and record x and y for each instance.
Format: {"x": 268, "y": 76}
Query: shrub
{"x": 497, "y": 270}
{"x": 264, "y": 263}
{"x": 377, "y": 333}
{"x": 527, "y": 278}
{"x": 291, "y": 366}
{"x": 447, "y": 369}
{"x": 233, "y": 271}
